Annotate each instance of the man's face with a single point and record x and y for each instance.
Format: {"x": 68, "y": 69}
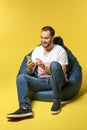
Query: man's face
{"x": 46, "y": 38}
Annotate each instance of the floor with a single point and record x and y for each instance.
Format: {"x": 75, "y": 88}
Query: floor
{"x": 73, "y": 115}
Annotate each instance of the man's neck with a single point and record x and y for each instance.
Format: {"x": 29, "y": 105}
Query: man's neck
{"x": 48, "y": 49}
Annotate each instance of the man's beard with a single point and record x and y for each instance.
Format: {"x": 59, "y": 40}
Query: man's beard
{"x": 47, "y": 44}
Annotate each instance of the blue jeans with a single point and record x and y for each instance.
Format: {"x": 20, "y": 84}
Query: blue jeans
{"x": 55, "y": 82}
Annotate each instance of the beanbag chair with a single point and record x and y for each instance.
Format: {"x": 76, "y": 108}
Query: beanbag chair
{"x": 73, "y": 84}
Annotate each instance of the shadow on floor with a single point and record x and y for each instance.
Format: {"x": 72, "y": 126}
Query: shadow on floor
{"x": 81, "y": 93}
{"x": 20, "y": 119}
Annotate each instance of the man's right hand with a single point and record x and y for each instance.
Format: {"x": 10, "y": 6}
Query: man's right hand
{"x": 30, "y": 66}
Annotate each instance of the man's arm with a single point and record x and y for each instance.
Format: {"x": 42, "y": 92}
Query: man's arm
{"x": 64, "y": 70}
{"x": 41, "y": 64}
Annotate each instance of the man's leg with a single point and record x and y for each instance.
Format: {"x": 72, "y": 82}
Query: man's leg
{"x": 35, "y": 84}
{"x": 26, "y": 82}
{"x": 57, "y": 81}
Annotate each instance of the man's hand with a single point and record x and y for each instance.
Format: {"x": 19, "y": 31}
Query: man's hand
{"x": 31, "y": 66}
{"x": 40, "y": 63}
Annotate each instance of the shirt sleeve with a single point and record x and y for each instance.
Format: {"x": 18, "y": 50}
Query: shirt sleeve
{"x": 62, "y": 57}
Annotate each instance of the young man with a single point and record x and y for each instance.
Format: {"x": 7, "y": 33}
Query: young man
{"x": 51, "y": 61}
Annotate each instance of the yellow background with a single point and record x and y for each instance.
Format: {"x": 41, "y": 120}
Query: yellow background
{"x": 20, "y": 25}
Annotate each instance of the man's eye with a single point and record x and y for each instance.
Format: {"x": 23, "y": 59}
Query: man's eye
{"x": 46, "y": 38}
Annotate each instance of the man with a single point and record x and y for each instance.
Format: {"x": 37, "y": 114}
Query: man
{"x": 51, "y": 61}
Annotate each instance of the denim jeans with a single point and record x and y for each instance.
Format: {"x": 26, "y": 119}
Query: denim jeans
{"x": 55, "y": 82}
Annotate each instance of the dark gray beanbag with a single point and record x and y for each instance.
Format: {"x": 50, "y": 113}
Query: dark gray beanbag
{"x": 74, "y": 72}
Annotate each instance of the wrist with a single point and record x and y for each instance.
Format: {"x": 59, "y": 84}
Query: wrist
{"x": 30, "y": 70}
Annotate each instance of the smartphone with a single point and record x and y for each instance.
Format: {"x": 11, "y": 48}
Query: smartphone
{"x": 28, "y": 58}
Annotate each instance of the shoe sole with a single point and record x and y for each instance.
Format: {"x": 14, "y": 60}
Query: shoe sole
{"x": 55, "y": 112}
{"x": 19, "y": 116}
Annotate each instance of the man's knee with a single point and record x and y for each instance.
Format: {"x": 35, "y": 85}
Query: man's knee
{"x": 20, "y": 78}
{"x": 55, "y": 66}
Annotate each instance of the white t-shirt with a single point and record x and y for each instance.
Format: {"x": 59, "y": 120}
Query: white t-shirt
{"x": 56, "y": 54}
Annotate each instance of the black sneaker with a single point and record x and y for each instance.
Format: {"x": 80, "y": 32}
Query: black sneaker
{"x": 56, "y": 107}
{"x": 21, "y": 112}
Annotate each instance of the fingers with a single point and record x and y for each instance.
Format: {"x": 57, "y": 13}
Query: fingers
{"x": 39, "y": 63}
{"x": 30, "y": 64}
{"x": 37, "y": 60}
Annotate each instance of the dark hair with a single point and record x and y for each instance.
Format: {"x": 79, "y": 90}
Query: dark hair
{"x": 52, "y": 31}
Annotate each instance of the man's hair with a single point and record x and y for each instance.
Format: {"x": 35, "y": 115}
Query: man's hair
{"x": 46, "y": 28}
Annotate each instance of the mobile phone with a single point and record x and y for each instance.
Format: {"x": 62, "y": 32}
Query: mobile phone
{"x": 28, "y": 58}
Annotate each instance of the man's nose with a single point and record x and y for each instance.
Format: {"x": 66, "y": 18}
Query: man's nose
{"x": 43, "y": 40}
